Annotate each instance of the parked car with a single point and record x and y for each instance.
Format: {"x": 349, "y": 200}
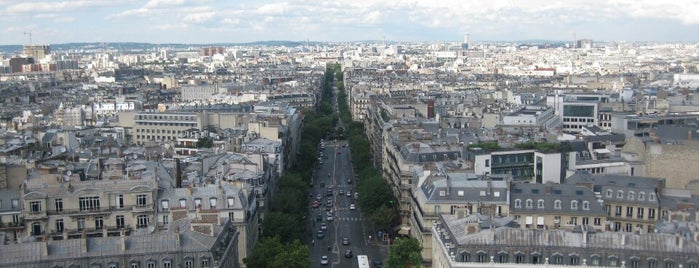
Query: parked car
{"x": 323, "y": 226}
{"x": 345, "y": 241}
{"x": 352, "y": 207}
{"x": 330, "y": 218}
{"x": 324, "y": 260}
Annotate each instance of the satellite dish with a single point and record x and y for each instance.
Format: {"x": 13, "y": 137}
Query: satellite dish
{"x": 151, "y": 229}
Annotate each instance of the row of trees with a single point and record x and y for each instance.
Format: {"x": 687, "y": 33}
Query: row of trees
{"x": 283, "y": 227}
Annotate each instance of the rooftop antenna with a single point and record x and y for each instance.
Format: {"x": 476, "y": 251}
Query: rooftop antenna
{"x": 30, "y": 36}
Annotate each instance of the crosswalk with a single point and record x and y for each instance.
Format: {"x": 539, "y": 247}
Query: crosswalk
{"x": 349, "y": 218}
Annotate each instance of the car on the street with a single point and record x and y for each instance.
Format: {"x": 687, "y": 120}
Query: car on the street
{"x": 319, "y": 197}
{"x": 323, "y": 226}
{"x": 349, "y": 194}
{"x": 348, "y": 253}
{"x": 378, "y": 262}
{"x": 329, "y": 218}
{"x": 349, "y": 181}
{"x": 316, "y": 204}
{"x": 319, "y": 217}
{"x": 345, "y": 241}
{"x": 324, "y": 260}
{"x": 342, "y": 191}
{"x": 320, "y": 234}
{"x": 352, "y": 207}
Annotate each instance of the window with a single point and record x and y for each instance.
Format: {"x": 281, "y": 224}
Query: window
{"x": 231, "y": 202}
{"x": 574, "y": 205}
{"x": 188, "y": 263}
{"x": 150, "y": 264}
{"x": 639, "y": 213}
{"x": 557, "y": 204}
{"x": 629, "y": 212}
{"x": 586, "y": 205}
{"x": 99, "y": 223}
{"x": 141, "y": 200}
{"x": 120, "y": 201}
{"x": 134, "y": 264}
{"x": 35, "y": 206}
{"x": 212, "y": 203}
{"x": 631, "y": 195}
{"x": 618, "y": 211}
{"x": 120, "y": 221}
{"x": 89, "y": 203}
{"x": 540, "y": 203}
{"x": 487, "y": 163}
{"x": 166, "y": 219}
{"x": 205, "y": 262}
{"x": 59, "y": 204}
{"x": 613, "y": 261}
{"x": 634, "y": 263}
{"x": 529, "y": 203}
{"x": 629, "y": 227}
{"x": 197, "y": 202}
{"x": 113, "y": 265}
{"x": 465, "y": 257}
{"x": 586, "y": 221}
{"x": 167, "y": 264}
{"x": 597, "y": 221}
{"x": 609, "y": 193}
{"x": 518, "y": 203}
{"x": 595, "y": 261}
{"x": 574, "y": 260}
{"x": 652, "y": 263}
{"x": 520, "y": 258}
{"x": 651, "y": 197}
{"x": 557, "y": 259}
{"x": 620, "y": 194}
{"x": 142, "y": 221}
{"x": 651, "y": 213}
{"x": 59, "y": 225}
{"x": 183, "y": 203}
{"x": 482, "y": 257}
{"x": 36, "y": 228}
{"x": 165, "y": 204}
{"x": 15, "y": 203}
{"x": 641, "y": 196}
{"x": 460, "y": 193}
{"x": 503, "y": 257}
{"x": 81, "y": 224}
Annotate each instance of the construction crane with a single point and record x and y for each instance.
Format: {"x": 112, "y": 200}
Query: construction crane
{"x": 30, "y": 36}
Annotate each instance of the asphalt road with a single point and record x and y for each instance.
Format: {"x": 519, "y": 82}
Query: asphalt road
{"x": 353, "y": 224}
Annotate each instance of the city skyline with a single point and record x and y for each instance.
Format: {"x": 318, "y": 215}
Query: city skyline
{"x": 214, "y": 21}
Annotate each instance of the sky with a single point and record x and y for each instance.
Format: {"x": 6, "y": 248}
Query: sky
{"x": 238, "y": 21}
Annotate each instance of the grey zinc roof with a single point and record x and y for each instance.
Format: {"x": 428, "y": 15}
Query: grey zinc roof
{"x": 550, "y": 193}
{"x": 6, "y": 197}
{"x": 461, "y": 190}
{"x": 506, "y": 236}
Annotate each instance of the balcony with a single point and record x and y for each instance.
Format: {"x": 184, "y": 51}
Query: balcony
{"x": 35, "y": 215}
{"x": 143, "y": 208}
{"x": 80, "y": 212}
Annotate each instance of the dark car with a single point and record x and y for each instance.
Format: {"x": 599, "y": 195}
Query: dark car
{"x": 377, "y": 263}
{"x": 348, "y": 253}
{"x": 319, "y": 217}
{"x": 320, "y": 234}
{"x": 349, "y": 181}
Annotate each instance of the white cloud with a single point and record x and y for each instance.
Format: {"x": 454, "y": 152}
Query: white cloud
{"x": 55, "y": 6}
{"x": 199, "y": 17}
{"x": 163, "y": 3}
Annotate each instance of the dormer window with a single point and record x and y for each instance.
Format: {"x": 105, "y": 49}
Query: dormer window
{"x": 586, "y": 205}
{"x": 651, "y": 197}
{"x": 197, "y": 203}
{"x": 641, "y": 196}
{"x": 518, "y": 203}
{"x": 631, "y": 195}
{"x": 212, "y": 202}
{"x": 620, "y": 194}
{"x": 574, "y": 205}
{"x": 183, "y": 203}
{"x": 609, "y": 193}
{"x": 231, "y": 202}
{"x": 557, "y": 204}
{"x": 529, "y": 203}
{"x": 540, "y": 203}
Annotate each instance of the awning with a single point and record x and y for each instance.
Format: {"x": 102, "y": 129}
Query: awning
{"x": 602, "y": 151}
{"x": 404, "y": 230}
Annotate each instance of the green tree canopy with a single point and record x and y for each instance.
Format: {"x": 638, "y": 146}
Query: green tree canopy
{"x": 405, "y": 253}
{"x": 270, "y": 252}
{"x": 205, "y": 142}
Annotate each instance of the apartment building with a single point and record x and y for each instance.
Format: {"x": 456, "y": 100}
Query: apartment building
{"x": 189, "y": 243}
{"x": 467, "y": 242}
{"x": 632, "y": 203}
{"x": 556, "y": 206}
{"x": 213, "y": 204}
{"x": 455, "y": 194}
{"x": 62, "y": 205}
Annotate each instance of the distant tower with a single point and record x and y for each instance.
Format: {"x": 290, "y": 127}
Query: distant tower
{"x": 465, "y": 44}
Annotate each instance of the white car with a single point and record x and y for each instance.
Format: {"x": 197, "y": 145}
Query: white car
{"x": 352, "y": 207}
{"x": 324, "y": 260}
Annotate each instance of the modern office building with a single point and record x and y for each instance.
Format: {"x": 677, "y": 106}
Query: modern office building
{"x": 37, "y": 52}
